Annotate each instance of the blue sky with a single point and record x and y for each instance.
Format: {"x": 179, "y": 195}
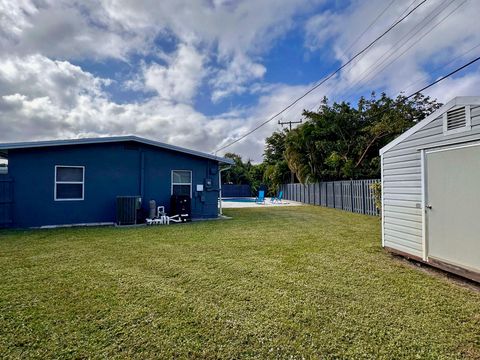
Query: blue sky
{"x": 199, "y": 74}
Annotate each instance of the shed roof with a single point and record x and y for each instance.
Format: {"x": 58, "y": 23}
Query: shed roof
{"x": 110, "y": 139}
{"x": 457, "y": 101}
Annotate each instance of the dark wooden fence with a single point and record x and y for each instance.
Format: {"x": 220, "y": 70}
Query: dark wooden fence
{"x": 231, "y": 190}
{"x": 350, "y": 195}
{"x": 6, "y": 201}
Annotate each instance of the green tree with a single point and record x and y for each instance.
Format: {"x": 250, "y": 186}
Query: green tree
{"x": 340, "y": 141}
{"x": 245, "y": 173}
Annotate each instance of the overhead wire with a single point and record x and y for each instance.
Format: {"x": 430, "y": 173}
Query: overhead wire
{"x": 364, "y": 54}
{"x": 424, "y": 77}
{"x": 379, "y": 67}
{"x": 358, "y": 38}
{"x": 324, "y": 80}
{"x": 394, "y": 48}
{"x": 374, "y": 67}
{"x": 370, "y": 26}
{"x": 453, "y": 72}
{"x": 363, "y": 33}
{"x": 416, "y": 42}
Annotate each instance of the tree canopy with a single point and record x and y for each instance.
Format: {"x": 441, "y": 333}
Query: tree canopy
{"x": 339, "y": 141}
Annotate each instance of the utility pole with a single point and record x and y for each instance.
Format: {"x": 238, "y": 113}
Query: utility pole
{"x": 280, "y": 122}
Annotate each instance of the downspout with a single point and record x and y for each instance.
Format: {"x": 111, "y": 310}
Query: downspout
{"x": 220, "y": 211}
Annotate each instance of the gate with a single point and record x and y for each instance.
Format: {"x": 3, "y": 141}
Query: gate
{"x": 6, "y": 201}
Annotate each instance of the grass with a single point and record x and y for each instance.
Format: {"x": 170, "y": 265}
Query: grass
{"x": 292, "y": 282}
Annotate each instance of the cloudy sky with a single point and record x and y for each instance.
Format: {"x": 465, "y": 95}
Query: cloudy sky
{"x": 201, "y": 73}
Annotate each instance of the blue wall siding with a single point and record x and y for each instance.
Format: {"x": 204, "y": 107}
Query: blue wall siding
{"x": 111, "y": 170}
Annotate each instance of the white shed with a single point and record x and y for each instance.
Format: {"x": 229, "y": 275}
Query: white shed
{"x": 431, "y": 189}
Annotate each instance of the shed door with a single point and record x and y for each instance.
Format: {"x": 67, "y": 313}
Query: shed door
{"x": 453, "y": 192}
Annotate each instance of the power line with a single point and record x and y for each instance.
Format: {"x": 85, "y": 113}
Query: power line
{"x": 398, "y": 45}
{"x": 356, "y": 41}
{"x": 443, "y": 66}
{"x": 324, "y": 80}
{"x": 432, "y": 84}
{"x": 392, "y": 51}
{"x": 444, "y": 77}
{"x": 403, "y": 13}
{"x": 369, "y": 26}
{"x": 383, "y": 64}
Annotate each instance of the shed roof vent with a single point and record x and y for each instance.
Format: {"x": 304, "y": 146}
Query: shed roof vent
{"x": 457, "y": 119}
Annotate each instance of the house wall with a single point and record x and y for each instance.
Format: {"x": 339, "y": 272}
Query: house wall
{"x": 111, "y": 170}
{"x": 402, "y": 182}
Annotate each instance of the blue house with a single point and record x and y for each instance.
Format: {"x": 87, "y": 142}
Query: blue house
{"x": 77, "y": 181}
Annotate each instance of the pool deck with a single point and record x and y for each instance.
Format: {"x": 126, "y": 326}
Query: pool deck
{"x": 236, "y": 204}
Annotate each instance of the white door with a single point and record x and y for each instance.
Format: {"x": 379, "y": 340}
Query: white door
{"x": 453, "y": 206}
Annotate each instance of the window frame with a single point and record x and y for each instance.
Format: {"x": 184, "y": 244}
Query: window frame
{"x": 69, "y": 182}
{"x": 468, "y": 121}
{"x": 190, "y": 183}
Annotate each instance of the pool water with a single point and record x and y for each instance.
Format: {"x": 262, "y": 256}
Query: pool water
{"x": 240, "y": 199}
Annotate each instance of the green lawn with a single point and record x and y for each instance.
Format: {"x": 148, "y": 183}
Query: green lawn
{"x": 291, "y": 282}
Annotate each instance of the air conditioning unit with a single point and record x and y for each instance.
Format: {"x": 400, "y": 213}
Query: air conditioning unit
{"x": 128, "y": 208}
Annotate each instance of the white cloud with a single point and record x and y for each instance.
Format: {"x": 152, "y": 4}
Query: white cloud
{"x": 180, "y": 78}
{"x": 235, "y": 33}
{"x": 65, "y": 30}
{"x": 234, "y": 79}
{"x": 38, "y": 76}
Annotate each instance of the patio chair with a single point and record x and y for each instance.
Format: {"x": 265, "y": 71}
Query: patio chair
{"x": 278, "y": 198}
{"x": 260, "y": 199}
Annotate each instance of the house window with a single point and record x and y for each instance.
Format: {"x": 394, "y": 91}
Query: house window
{"x": 69, "y": 182}
{"x": 182, "y": 182}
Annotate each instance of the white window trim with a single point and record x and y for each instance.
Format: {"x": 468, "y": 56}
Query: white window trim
{"x": 172, "y": 183}
{"x": 468, "y": 121}
{"x": 69, "y": 182}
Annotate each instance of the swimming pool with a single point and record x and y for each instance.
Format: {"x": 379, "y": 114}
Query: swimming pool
{"x": 240, "y": 199}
